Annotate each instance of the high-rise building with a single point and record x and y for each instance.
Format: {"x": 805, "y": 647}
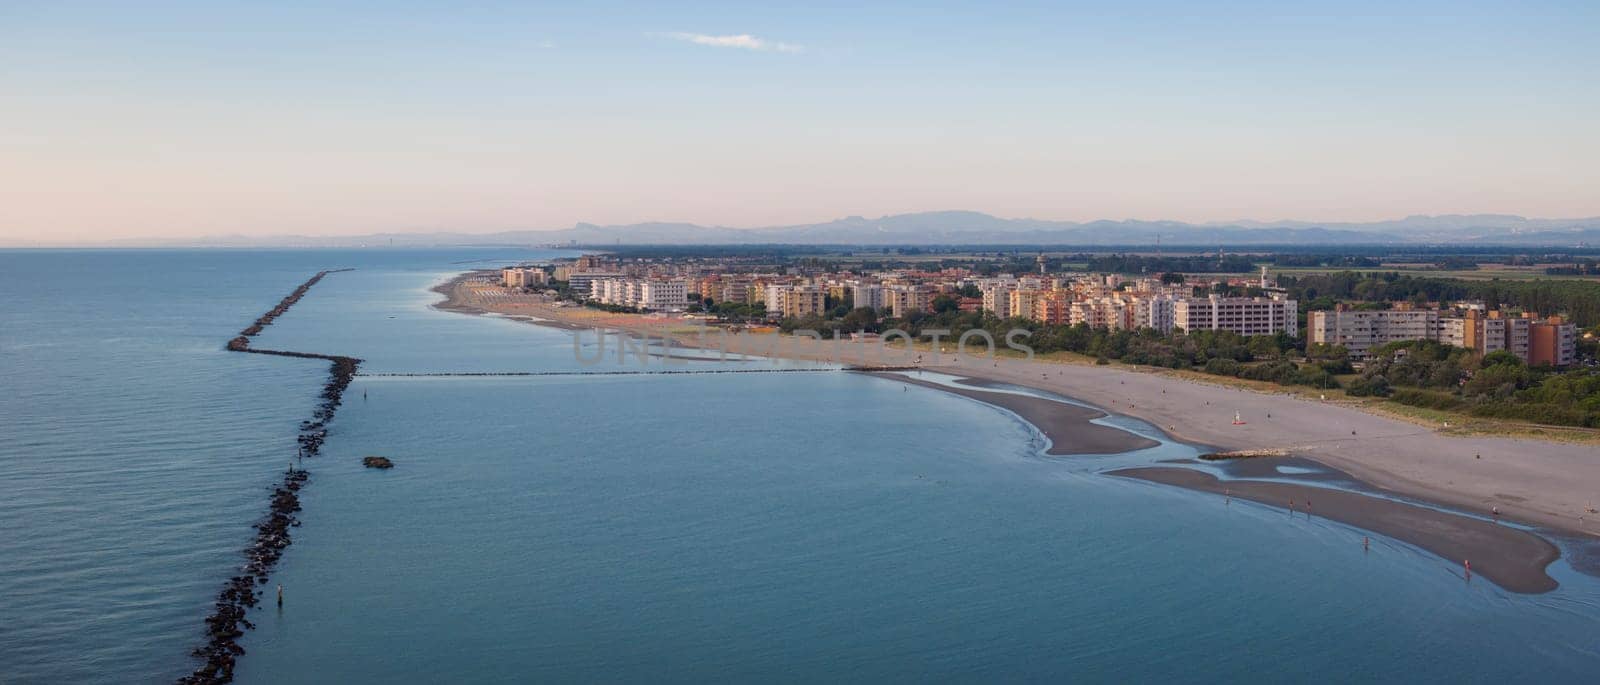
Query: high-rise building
{"x": 1022, "y": 302}
{"x": 795, "y": 301}
{"x": 1242, "y": 315}
{"x": 904, "y": 299}
{"x": 662, "y": 295}
{"x": 867, "y": 295}
{"x": 1155, "y": 311}
{"x": 1361, "y": 330}
{"x": 997, "y": 299}
{"x": 1552, "y": 342}
{"x": 522, "y": 276}
{"x": 582, "y": 281}
{"x": 1051, "y": 307}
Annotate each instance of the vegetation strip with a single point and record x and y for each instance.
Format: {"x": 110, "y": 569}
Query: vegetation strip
{"x": 227, "y": 623}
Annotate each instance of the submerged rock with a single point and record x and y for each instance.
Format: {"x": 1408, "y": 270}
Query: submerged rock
{"x": 377, "y": 462}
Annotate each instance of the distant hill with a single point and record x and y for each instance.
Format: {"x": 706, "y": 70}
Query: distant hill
{"x": 962, "y": 227}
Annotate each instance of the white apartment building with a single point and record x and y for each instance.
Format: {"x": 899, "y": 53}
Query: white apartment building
{"x": 997, "y": 299}
{"x": 1155, "y": 311}
{"x": 1535, "y": 341}
{"x": 1362, "y": 330}
{"x": 653, "y": 294}
{"x": 1517, "y": 329}
{"x": 663, "y": 295}
{"x": 1242, "y": 315}
{"x": 867, "y": 295}
{"x": 583, "y": 281}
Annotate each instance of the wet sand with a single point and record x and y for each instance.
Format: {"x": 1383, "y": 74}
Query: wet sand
{"x": 1511, "y": 558}
{"x": 1066, "y": 425}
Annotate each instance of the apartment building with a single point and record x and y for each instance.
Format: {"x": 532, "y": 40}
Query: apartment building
{"x": 1363, "y": 330}
{"x": 1517, "y": 333}
{"x": 1053, "y": 307}
{"x": 1242, "y": 315}
{"x": 652, "y": 294}
{"x": 904, "y": 299}
{"x": 1552, "y": 341}
{"x": 1155, "y": 310}
{"x": 1022, "y": 301}
{"x": 1483, "y": 331}
{"x": 662, "y": 295}
{"x": 867, "y": 295}
{"x": 522, "y": 277}
{"x": 997, "y": 299}
{"x": 583, "y": 281}
{"x": 795, "y": 301}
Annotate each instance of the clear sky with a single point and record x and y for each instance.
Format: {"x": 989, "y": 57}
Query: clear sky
{"x": 136, "y": 119}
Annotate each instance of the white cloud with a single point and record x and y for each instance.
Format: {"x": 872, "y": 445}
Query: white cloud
{"x": 743, "y": 41}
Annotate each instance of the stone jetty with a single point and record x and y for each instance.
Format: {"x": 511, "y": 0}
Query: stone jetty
{"x": 228, "y": 621}
{"x": 1246, "y": 454}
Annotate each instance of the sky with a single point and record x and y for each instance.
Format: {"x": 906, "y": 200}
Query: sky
{"x": 127, "y": 120}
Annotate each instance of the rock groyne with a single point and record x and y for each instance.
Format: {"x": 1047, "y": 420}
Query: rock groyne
{"x": 228, "y": 621}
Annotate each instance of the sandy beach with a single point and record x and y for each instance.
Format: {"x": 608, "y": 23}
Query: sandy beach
{"x": 1068, "y": 426}
{"x": 1514, "y": 559}
{"x": 1549, "y": 485}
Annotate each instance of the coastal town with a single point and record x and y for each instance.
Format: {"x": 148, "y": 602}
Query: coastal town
{"x": 737, "y": 342}
{"x": 725, "y": 290}
{"x": 1451, "y": 391}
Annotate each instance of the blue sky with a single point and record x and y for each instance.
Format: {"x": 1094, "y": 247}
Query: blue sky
{"x": 181, "y": 119}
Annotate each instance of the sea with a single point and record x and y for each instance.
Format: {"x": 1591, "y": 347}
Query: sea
{"x": 579, "y": 526}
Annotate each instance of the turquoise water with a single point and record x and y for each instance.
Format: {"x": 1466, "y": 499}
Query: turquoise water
{"x": 797, "y": 527}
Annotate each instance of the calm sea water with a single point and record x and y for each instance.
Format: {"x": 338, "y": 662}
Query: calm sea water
{"x": 794, "y": 527}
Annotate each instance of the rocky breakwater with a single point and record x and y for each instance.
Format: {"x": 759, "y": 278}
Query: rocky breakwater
{"x": 228, "y": 621}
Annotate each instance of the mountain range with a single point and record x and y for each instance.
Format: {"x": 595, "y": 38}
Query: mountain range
{"x": 973, "y": 228}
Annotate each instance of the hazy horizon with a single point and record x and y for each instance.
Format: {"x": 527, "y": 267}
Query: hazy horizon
{"x": 163, "y": 241}
{"x": 191, "y": 120}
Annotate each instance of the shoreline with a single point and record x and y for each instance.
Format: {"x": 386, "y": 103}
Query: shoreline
{"x": 1067, "y": 426}
{"x": 1544, "y": 485}
{"x": 1512, "y": 558}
